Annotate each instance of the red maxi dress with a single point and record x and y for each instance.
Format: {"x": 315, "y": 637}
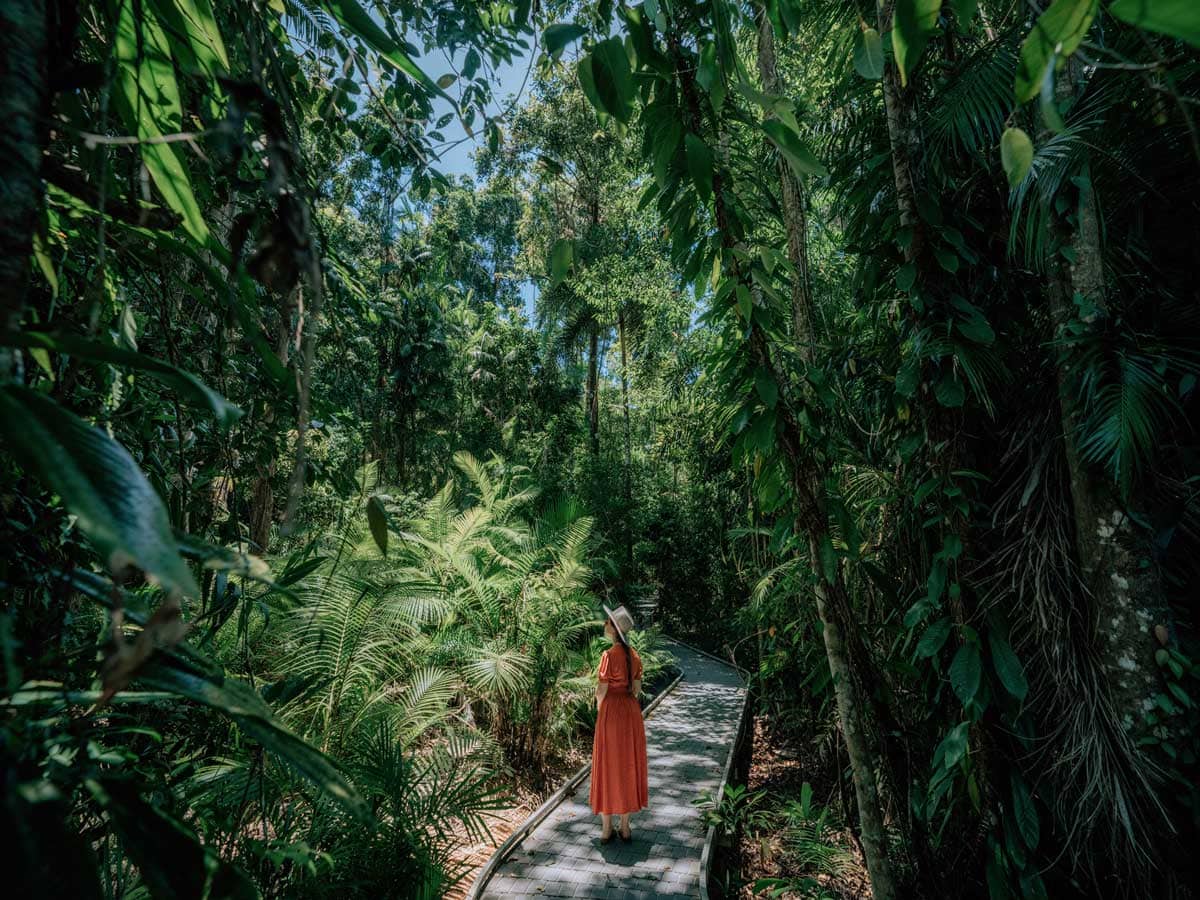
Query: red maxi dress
{"x": 620, "y": 782}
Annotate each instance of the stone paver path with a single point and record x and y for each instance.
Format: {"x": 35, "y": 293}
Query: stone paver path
{"x": 688, "y": 739}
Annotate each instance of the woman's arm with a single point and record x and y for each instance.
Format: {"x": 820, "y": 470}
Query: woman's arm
{"x": 601, "y": 690}
{"x": 637, "y": 687}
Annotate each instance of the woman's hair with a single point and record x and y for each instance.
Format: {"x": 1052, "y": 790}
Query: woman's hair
{"x": 628, "y": 653}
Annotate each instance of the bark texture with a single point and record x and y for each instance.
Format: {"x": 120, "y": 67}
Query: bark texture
{"x": 262, "y": 510}
{"x": 592, "y": 398}
{"x": 858, "y": 743}
{"x": 24, "y": 103}
{"x": 593, "y": 390}
{"x": 903, "y": 144}
{"x": 792, "y": 197}
{"x": 622, "y": 335}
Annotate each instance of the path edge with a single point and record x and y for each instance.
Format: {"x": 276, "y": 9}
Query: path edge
{"x": 551, "y": 803}
{"x": 711, "y": 834}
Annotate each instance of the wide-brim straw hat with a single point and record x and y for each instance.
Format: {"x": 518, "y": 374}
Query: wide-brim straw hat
{"x": 621, "y": 620}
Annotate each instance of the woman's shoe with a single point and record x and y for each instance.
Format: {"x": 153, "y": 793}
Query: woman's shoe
{"x": 605, "y": 839}
{"x": 627, "y": 838}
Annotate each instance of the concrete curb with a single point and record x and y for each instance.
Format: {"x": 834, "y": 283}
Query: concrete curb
{"x": 711, "y": 834}
{"x": 552, "y": 802}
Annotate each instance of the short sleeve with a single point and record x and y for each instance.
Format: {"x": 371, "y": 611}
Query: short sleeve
{"x": 606, "y": 666}
{"x": 637, "y": 664}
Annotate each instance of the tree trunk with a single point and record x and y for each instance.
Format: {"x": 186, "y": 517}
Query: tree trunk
{"x": 813, "y": 518}
{"x": 792, "y": 193}
{"x": 1127, "y": 596}
{"x": 628, "y": 444}
{"x": 901, "y": 138}
{"x": 593, "y": 390}
{"x": 851, "y": 651}
{"x": 262, "y": 509}
{"x": 944, "y": 423}
{"x": 858, "y": 744}
{"x": 24, "y": 106}
{"x": 262, "y": 496}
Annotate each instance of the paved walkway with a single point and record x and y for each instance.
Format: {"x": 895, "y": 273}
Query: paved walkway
{"x": 689, "y": 737}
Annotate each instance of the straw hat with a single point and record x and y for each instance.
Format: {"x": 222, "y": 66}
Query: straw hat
{"x": 621, "y": 620}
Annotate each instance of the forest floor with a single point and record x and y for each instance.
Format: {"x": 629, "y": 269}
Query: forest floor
{"x": 824, "y": 863}
{"x": 528, "y": 793}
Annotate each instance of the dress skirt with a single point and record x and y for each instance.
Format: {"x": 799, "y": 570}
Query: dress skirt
{"x": 620, "y": 782}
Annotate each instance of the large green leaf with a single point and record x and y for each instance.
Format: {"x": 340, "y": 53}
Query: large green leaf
{"x": 99, "y": 482}
{"x": 908, "y": 376}
{"x": 1056, "y": 34}
{"x": 966, "y": 672}
{"x": 950, "y": 390}
{"x": 612, "y": 78}
{"x": 1016, "y": 155}
{"x": 964, "y": 12}
{"x": 868, "y": 54}
{"x": 912, "y": 26}
{"x": 351, "y": 16}
{"x": 1007, "y": 666}
{"x": 700, "y": 164}
{"x": 188, "y": 384}
{"x": 794, "y": 150}
{"x": 147, "y": 98}
{"x": 934, "y": 638}
{"x": 765, "y": 384}
{"x": 1177, "y": 18}
{"x": 953, "y": 747}
{"x": 937, "y": 581}
{"x": 197, "y": 38}
{"x": 236, "y": 699}
{"x": 558, "y": 36}
{"x": 378, "y": 521}
{"x": 562, "y": 256}
{"x": 1025, "y": 813}
{"x": 972, "y": 323}
{"x": 584, "y": 71}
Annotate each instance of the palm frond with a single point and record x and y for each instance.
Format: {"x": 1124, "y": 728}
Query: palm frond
{"x": 497, "y": 672}
{"x": 968, "y": 113}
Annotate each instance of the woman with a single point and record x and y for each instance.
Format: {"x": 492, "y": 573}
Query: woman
{"x": 619, "y": 777}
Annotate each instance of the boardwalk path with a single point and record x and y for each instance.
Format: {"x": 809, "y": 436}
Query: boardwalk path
{"x": 689, "y": 737}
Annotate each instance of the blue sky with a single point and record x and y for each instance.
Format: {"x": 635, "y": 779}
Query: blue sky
{"x": 456, "y": 160}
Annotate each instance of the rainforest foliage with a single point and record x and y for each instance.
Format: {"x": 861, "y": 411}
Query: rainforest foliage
{"x": 858, "y": 341}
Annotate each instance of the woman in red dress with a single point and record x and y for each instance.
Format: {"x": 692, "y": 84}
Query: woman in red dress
{"x": 619, "y": 776}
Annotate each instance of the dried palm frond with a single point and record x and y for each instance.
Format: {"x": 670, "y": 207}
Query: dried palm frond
{"x": 1099, "y": 785}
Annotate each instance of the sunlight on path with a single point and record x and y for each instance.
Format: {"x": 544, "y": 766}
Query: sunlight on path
{"x": 689, "y": 737}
